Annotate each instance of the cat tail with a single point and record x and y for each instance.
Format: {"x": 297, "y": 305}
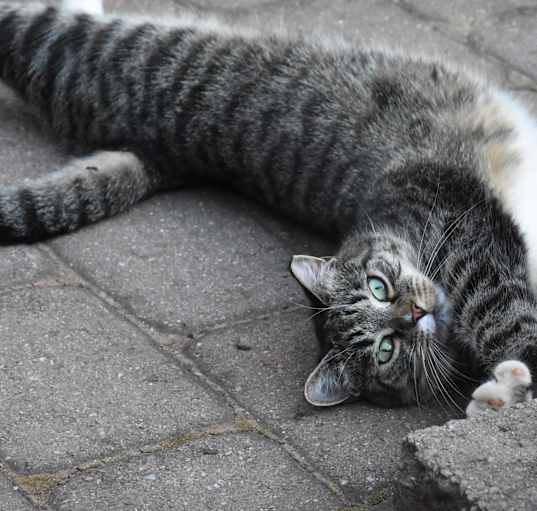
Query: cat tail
{"x": 84, "y": 191}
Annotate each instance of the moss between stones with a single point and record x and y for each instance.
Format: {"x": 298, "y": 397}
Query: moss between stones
{"x": 38, "y": 486}
{"x": 185, "y": 438}
{"x": 240, "y": 425}
{"x": 245, "y": 425}
{"x": 377, "y": 498}
{"x": 373, "y": 500}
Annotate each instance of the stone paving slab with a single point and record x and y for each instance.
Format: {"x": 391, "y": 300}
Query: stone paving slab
{"x": 186, "y": 259}
{"x": 487, "y": 463}
{"x": 505, "y": 28}
{"x": 358, "y": 445}
{"x": 264, "y": 365}
{"x": 10, "y": 499}
{"x": 238, "y": 472}
{"x": 22, "y": 264}
{"x": 77, "y": 382}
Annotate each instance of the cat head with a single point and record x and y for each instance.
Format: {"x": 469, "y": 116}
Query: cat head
{"x": 385, "y": 323}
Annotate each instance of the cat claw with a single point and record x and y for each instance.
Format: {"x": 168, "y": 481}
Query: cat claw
{"x": 511, "y": 383}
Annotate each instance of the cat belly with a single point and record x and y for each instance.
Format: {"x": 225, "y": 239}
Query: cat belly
{"x": 510, "y": 165}
{"x": 88, "y": 6}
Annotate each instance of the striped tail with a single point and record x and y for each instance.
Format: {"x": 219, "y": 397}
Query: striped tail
{"x": 85, "y": 191}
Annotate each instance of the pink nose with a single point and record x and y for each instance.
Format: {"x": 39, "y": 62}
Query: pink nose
{"x": 417, "y": 312}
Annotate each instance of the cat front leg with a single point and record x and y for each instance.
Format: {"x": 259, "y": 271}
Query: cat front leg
{"x": 510, "y": 384}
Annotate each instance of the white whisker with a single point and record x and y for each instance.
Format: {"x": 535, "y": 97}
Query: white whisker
{"x": 451, "y": 362}
{"x": 425, "y": 360}
{"x": 414, "y": 366}
{"x": 445, "y": 372}
{"x": 427, "y": 224}
{"x": 447, "y": 235}
{"x": 345, "y": 364}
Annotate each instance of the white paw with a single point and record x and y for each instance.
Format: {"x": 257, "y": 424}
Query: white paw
{"x": 511, "y": 383}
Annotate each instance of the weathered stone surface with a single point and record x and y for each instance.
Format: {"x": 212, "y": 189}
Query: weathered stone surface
{"x": 10, "y": 499}
{"x": 265, "y": 364}
{"x": 186, "y": 259}
{"x": 78, "y": 382}
{"x": 23, "y": 264}
{"x": 484, "y": 464}
{"x": 503, "y": 29}
{"x": 238, "y": 472}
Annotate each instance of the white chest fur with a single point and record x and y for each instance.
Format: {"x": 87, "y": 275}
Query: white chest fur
{"x": 512, "y": 168}
{"x": 88, "y": 6}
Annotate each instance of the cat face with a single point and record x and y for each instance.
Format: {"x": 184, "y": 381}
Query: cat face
{"x": 384, "y": 321}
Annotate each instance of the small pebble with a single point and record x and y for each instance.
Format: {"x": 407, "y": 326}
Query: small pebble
{"x": 209, "y": 451}
{"x": 241, "y": 346}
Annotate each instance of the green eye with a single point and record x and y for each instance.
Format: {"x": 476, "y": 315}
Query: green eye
{"x": 385, "y": 350}
{"x": 378, "y": 288}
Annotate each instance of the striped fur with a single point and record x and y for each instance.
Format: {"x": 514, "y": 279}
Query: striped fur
{"x": 391, "y": 155}
{"x": 84, "y": 191}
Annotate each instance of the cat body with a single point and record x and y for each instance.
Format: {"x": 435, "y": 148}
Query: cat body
{"x": 423, "y": 174}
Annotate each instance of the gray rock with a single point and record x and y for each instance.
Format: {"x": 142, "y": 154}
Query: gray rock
{"x": 485, "y": 463}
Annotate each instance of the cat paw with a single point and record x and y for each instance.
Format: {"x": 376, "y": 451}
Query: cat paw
{"x": 511, "y": 383}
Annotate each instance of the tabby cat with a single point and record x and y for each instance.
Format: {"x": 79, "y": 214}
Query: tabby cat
{"x": 421, "y": 172}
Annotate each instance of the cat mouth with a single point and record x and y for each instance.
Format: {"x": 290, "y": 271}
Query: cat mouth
{"x": 436, "y": 322}
{"x": 427, "y": 324}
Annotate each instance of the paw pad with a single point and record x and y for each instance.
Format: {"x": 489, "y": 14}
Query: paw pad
{"x": 517, "y": 371}
{"x": 496, "y": 403}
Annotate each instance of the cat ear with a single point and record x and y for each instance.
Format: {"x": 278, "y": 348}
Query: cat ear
{"x": 330, "y": 382}
{"x": 314, "y": 274}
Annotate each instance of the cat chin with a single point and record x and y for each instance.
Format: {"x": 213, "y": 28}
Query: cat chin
{"x": 427, "y": 324}
{"x": 443, "y": 308}
{"x": 438, "y": 324}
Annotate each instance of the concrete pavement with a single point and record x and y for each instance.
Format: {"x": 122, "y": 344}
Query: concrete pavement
{"x": 156, "y": 360}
